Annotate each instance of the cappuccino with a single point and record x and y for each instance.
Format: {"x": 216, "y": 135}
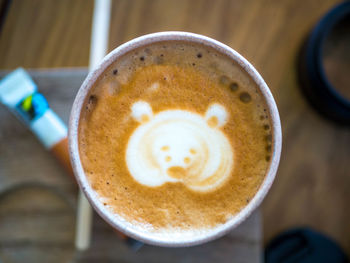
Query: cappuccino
{"x": 175, "y": 136}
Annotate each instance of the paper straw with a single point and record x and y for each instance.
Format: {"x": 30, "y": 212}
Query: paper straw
{"x": 98, "y": 49}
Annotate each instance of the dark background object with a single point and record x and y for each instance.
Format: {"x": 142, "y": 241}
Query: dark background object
{"x": 4, "y": 7}
{"x": 303, "y": 245}
{"x": 336, "y": 57}
{"x": 324, "y": 65}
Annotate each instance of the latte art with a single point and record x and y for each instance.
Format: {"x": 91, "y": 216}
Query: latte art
{"x": 179, "y": 146}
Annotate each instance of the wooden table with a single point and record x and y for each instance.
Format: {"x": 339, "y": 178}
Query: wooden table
{"x": 312, "y": 184}
{"x": 38, "y": 201}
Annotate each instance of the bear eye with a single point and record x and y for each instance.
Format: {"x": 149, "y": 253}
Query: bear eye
{"x": 165, "y": 148}
{"x": 193, "y": 151}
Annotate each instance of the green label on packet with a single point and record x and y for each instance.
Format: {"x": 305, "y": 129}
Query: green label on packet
{"x": 33, "y": 106}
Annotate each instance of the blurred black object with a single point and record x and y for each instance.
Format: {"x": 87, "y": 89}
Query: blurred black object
{"x": 303, "y": 245}
{"x": 4, "y": 7}
{"x": 324, "y": 65}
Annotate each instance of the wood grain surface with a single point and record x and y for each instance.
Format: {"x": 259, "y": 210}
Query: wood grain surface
{"x": 38, "y": 201}
{"x": 312, "y": 184}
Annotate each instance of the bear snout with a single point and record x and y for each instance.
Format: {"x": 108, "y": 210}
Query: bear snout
{"x": 177, "y": 172}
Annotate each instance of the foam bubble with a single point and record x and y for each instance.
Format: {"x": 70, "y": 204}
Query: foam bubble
{"x": 245, "y": 97}
{"x": 233, "y": 86}
{"x": 91, "y": 102}
{"x": 154, "y": 86}
{"x": 179, "y": 146}
{"x": 224, "y": 80}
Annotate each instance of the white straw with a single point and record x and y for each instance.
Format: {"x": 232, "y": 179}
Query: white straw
{"x": 100, "y": 31}
{"x": 83, "y": 224}
{"x": 98, "y": 49}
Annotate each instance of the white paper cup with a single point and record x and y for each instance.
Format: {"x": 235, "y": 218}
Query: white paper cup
{"x": 127, "y": 227}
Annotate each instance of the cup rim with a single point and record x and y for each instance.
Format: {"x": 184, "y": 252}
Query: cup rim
{"x": 122, "y": 225}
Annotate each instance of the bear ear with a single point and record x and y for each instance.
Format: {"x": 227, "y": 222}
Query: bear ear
{"x": 141, "y": 111}
{"x": 216, "y": 116}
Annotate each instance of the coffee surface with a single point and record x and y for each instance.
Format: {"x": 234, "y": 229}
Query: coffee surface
{"x": 175, "y": 136}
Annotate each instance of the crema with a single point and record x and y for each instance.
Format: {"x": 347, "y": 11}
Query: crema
{"x": 175, "y": 137}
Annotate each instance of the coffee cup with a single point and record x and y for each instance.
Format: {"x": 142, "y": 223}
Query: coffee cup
{"x": 144, "y": 116}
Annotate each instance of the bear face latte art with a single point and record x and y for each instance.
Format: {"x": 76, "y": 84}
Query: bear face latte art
{"x": 175, "y": 137}
{"x": 173, "y": 146}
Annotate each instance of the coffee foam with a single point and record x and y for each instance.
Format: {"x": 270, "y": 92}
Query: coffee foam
{"x": 210, "y": 93}
{"x": 179, "y": 146}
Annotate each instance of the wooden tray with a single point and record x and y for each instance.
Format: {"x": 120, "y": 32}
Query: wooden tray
{"x": 38, "y": 200}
